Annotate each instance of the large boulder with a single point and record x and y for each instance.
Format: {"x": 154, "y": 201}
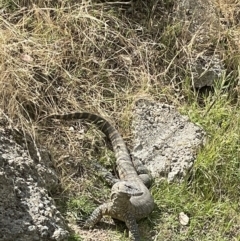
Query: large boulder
{"x": 27, "y": 212}
{"x": 202, "y": 28}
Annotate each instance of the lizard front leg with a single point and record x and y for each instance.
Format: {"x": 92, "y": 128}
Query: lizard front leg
{"x": 133, "y": 228}
{"x": 97, "y": 214}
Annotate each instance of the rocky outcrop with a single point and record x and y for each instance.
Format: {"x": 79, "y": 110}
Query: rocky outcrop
{"x": 202, "y": 31}
{"x": 27, "y": 212}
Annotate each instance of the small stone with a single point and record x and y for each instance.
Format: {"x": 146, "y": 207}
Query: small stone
{"x": 71, "y": 128}
{"x": 31, "y": 228}
{"x": 183, "y": 218}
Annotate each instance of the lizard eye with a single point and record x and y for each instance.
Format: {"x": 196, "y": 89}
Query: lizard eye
{"x": 128, "y": 186}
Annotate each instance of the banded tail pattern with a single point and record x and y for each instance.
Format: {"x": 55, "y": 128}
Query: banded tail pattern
{"x": 125, "y": 167}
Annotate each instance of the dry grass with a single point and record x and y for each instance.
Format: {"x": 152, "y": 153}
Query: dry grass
{"x": 75, "y": 57}
{"x": 62, "y": 56}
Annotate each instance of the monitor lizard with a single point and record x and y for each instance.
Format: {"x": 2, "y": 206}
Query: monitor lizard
{"x": 130, "y": 197}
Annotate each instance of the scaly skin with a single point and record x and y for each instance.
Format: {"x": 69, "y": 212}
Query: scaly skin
{"x": 130, "y": 198}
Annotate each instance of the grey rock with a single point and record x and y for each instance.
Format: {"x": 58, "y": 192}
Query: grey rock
{"x": 167, "y": 147}
{"x": 27, "y": 213}
{"x": 202, "y": 28}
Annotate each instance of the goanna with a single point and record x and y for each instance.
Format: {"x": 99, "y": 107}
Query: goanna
{"x": 130, "y": 198}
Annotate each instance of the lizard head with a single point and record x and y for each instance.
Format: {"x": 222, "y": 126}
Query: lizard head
{"x": 125, "y": 189}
